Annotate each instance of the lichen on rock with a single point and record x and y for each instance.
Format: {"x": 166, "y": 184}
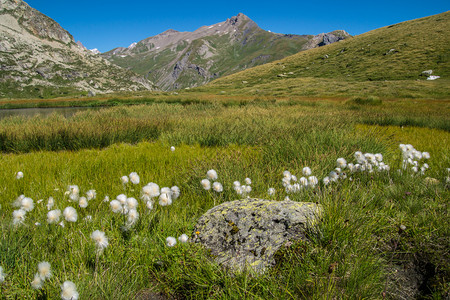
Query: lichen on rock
{"x": 246, "y": 233}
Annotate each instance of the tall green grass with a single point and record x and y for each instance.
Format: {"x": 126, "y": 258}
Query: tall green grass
{"x": 356, "y": 251}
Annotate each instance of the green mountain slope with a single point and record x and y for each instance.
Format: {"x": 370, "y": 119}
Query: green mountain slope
{"x": 389, "y": 61}
{"x": 175, "y": 60}
{"x": 38, "y": 58}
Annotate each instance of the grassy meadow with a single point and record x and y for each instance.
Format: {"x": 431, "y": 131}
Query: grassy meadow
{"x": 383, "y": 235}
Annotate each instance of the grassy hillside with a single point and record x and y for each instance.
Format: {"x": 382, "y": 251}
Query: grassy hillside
{"x": 388, "y": 61}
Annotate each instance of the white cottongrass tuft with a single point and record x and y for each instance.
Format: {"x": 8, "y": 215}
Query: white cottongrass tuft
{"x": 53, "y": 216}
{"x": 50, "y": 203}
{"x": 27, "y": 204}
{"x": 426, "y": 155}
{"x": 172, "y": 148}
{"x": 248, "y": 181}
{"x": 312, "y": 181}
{"x": 171, "y": 241}
{"x": 341, "y": 162}
{"x": 19, "y": 216}
{"x": 106, "y": 199}
{"x": 271, "y": 191}
{"x": 306, "y": 171}
{"x": 175, "y": 192}
{"x": 69, "y": 291}
{"x": 2, "y": 275}
{"x": 134, "y": 178}
{"x": 212, "y": 174}
{"x": 149, "y": 205}
{"x": 124, "y": 179}
{"x": 82, "y": 202}
{"x": 206, "y": 184}
{"x": 217, "y": 187}
{"x": 100, "y": 239}
{"x": 131, "y": 203}
{"x": 44, "y": 269}
{"x": 150, "y": 191}
{"x": 303, "y": 181}
{"x": 132, "y": 217}
{"x": 91, "y": 194}
{"x": 183, "y": 238}
{"x": 326, "y": 180}
{"x": 74, "y": 192}
{"x": 165, "y": 199}
{"x": 18, "y": 201}
{"x": 236, "y": 184}
{"x": 122, "y": 199}
{"x": 19, "y": 175}
{"x": 37, "y": 282}
{"x": 70, "y": 214}
{"x": 116, "y": 206}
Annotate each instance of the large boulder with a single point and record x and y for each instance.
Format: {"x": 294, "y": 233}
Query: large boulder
{"x": 246, "y": 233}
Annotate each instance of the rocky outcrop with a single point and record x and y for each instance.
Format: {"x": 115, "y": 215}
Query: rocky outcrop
{"x": 246, "y": 233}
{"x": 38, "y": 58}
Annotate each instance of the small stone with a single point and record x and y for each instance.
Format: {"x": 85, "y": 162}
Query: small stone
{"x": 402, "y": 227}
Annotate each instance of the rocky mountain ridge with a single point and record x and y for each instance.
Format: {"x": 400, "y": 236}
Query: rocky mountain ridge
{"x": 174, "y": 59}
{"x": 39, "y": 58}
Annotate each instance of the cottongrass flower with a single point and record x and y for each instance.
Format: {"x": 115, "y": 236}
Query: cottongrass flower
{"x": 69, "y": 291}
{"x": 134, "y": 178}
{"x": 306, "y": 171}
{"x": 287, "y": 174}
{"x": 217, "y": 187}
{"x": 2, "y": 275}
{"x": 183, "y": 238}
{"x": 50, "y": 203}
{"x": 132, "y": 217}
{"x": 175, "y": 192}
{"x": 19, "y": 175}
{"x": 44, "y": 270}
{"x": 116, "y": 206}
{"x": 18, "y": 201}
{"x": 312, "y": 181}
{"x": 150, "y": 191}
{"x": 212, "y": 174}
{"x": 106, "y": 199}
{"x": 74, "y": 192}
{"x": 303, "y": 181}
{"x": 53, "y": 216}
{"x": 27, "y": 204}
{"x": 426, "y": 155}
{"x": 172, "y": 148}
{"x": 91, "y": 194}
{"x": 122, "y": 199}
{"x": 236, "y": 184}
{"x": 70, "y": 214}
{"x": 100, "y": 239}
{"x": 287, "y": 198}
{"x": 271, "y": 191}
{"x": 37, "y": 282}
{"x": 124, "y": 179}
{"x": 61, "y": 224}
{"x": 82, "y": 202}
{"x": 165, "y": 199}
{"x": 19, "y": 216}
{"x": 206, "y": 184}
{"x": 326, "y": 180}
{"x": 171, "y": 241}
{"x": 341, "y": 162}
{"x": 248, "y": 181}
{"x": 149, "y": 205}
{"x": 131, "y": 203}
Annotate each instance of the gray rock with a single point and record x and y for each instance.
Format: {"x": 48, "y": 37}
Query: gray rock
{"x": 427, "y": 72}
{"x": 246, "y": 233}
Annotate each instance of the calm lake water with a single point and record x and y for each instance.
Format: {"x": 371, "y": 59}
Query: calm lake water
{"x": 30, "y": 112}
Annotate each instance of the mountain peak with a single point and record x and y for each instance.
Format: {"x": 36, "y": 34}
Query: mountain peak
{"x": 239, "y": 19}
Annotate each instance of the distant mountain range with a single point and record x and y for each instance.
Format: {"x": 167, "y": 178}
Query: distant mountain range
{"x": 174, "y": 60}
{"x": 38, "y": 58}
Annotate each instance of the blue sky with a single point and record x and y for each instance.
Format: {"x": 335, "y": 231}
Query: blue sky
{"x": 106, "y": 24}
